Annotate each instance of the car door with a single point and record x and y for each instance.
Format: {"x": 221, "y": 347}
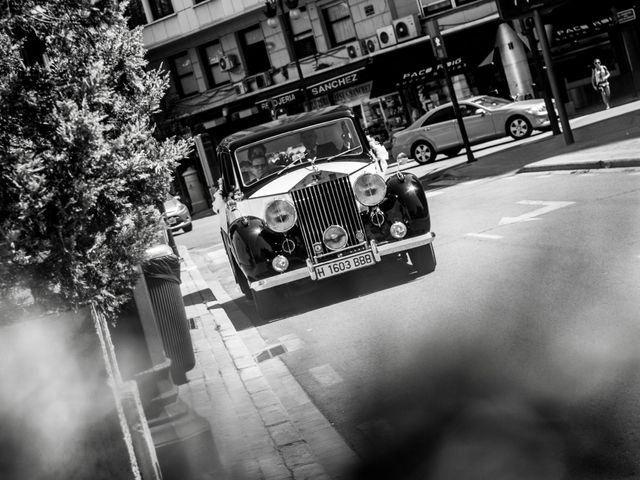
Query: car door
{"x": 478, "y": 122}
{"x": 441, "y": 129}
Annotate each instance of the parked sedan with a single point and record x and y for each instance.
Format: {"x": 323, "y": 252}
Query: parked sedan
{"x": 177, "y": 214}
{"x": 485, "y": 118}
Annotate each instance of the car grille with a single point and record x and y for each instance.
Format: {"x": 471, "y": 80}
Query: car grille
{"x": 325, "y": 204}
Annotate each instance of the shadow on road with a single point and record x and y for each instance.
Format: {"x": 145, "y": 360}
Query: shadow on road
{"x": 306, "y": 295}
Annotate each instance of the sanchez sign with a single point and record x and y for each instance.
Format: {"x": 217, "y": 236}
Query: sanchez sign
{"x": 334, "y": 84}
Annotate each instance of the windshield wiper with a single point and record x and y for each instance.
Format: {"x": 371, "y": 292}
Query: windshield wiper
{"x": 292, "y": 164}
{"x": 343, "y": 153}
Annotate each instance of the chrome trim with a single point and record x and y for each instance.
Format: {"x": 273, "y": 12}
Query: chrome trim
{"x": 325, "y": 204}
{"x": 378, "y": 252}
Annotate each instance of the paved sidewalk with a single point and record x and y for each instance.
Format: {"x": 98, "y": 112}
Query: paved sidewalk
{"x": 256, "y": 437}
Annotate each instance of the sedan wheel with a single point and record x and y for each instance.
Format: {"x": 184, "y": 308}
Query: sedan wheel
{"x": 423, "y": 153}
{"x": 519, "y": 127}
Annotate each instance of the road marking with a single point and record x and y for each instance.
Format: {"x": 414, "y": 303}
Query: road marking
{"x": 527, "y": 217}
{"x": 484, "y": 235}
{"x": 325, "y": 375}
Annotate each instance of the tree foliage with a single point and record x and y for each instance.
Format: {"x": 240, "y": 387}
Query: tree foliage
{"x": 80, "y": 170}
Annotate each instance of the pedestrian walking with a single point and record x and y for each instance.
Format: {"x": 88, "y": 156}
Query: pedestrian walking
{"x": 600, "y": 81}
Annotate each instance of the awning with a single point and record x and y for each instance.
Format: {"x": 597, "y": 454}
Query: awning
{"x": 404, "y": 66}
{"x": 415, "y": 63}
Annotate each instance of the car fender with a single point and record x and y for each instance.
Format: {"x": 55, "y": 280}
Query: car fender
{"x": 251, "y": 246}
{"x": 406, "y": 188}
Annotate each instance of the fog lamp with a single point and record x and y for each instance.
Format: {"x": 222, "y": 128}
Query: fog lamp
{"x": 335, "y": 237}
{"x": 398, "y": 230}
{"x": 280, "y": 263}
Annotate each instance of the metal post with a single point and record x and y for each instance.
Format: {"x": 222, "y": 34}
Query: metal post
{"x": 546, "y": 54}
{"x": 456, "y": 109}
{"x": 288, "y": 35}
{"x": 539, "y": 64}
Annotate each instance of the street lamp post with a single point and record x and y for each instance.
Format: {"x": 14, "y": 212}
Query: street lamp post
{"x": 271, "y": 11}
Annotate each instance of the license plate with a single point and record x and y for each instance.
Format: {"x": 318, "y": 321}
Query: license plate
{"x": 344, "y": 265}
{"x": 172, "y": 220}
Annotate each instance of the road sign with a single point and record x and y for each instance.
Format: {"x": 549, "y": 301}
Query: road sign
{"x": 437, "y": 43}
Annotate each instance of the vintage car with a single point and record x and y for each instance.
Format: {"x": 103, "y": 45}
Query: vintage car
{"x": 306, "y": 197}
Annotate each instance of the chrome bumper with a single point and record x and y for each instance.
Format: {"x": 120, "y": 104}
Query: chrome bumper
{"x": 379, "y": 251}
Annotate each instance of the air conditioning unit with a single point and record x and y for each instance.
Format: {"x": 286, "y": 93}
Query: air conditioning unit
{"x": 227, "y": 62}
{"x": 354, "y": 50}
{"x": 259, "y": 81}
{"x": 386, "y": 36}
{"x": 370, "y": 44}
{"x": 406, "y": 28}
{"x": 241, "y": 88}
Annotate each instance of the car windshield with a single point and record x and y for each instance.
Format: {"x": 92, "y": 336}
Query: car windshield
{"x": 316, "y": 143}
{"x": 491, "y": 102}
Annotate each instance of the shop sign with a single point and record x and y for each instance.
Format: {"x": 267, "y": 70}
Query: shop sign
{"x": 334, "y": 84}
{"x": 274, "y": 103}
{"x": 353, "y": 93}
{"x": 595, "y": 26}
{"x": 452, "y": 65}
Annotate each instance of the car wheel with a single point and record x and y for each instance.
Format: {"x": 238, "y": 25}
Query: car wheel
{"x": 518, "y": 127}
{"x": 452, "y": 152}
{"x": 423, "y": 152}
{"x": 188, "y": 228}
{"x": 266, "y": 302}
{"x": 423, "y": 259}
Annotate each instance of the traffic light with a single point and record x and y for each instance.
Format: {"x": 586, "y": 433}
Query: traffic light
{"x": 437, "y": 43}
{"x": 511, "y": 9}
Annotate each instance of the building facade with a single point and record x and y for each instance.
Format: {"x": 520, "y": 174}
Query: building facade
{"x": 235, "y": 64}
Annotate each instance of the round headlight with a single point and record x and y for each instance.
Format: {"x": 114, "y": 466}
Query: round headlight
{"x": 370, "y": 189}
{"x": 280, "y": 216}
{"x": 335, "y": 237}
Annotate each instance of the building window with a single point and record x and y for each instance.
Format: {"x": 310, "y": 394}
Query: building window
{"x": 210, "y": 55}
{"x": 135, "y": 14}
{"x": 254, "y": 50}
{"x": 303, "y": 41}
{"x": 160, "y": 8}
{"x": 337, "y": 19}
{"x": 431, "y": 7}
{"x": 184, "y": 77}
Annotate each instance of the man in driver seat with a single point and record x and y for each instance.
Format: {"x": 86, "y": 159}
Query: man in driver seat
{"x": 257, "y": 165}
{"x": 313, "y": 149}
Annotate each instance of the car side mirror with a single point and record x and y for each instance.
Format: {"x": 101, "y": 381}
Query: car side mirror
{"x": 480, "y": 112}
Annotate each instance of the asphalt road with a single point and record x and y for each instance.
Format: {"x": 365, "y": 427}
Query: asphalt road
{"x": 534, "y": 300}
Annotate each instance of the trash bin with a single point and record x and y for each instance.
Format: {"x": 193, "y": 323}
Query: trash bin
{"x": 161, "y": 270}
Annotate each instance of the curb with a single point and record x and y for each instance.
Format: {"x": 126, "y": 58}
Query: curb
{"x": 545, "y": 165}
{"x": 282, "y": 452}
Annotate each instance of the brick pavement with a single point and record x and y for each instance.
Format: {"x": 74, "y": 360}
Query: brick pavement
{"x": 254, "y": 433}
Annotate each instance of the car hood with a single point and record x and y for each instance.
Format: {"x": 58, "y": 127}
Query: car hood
{"x": 280, "y": 187}
{"x": 172, "y": 206}
{"x": 522, "y": 105}
{"x": 296, "y": 177}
